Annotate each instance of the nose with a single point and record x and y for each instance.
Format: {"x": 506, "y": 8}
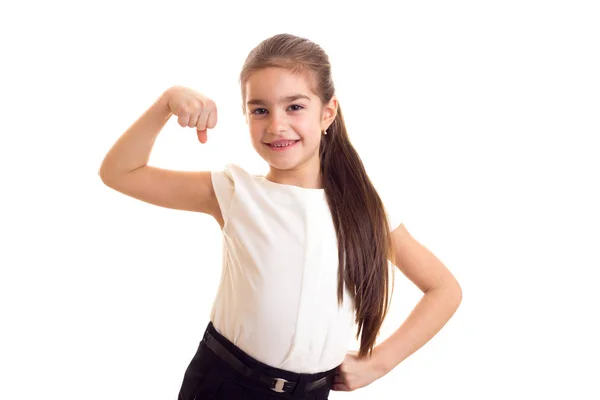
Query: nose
{"x": 277, "y": 123}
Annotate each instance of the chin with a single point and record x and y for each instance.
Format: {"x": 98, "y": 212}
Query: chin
{"x": 281, "y": 164}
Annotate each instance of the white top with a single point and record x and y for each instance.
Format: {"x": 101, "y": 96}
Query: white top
{"x": 277, "y": 299}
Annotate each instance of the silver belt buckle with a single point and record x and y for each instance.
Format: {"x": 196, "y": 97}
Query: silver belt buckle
{"x": 279, "y": 385}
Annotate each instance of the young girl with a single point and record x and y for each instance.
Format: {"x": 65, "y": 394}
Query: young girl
{"x": 305, "y": 248}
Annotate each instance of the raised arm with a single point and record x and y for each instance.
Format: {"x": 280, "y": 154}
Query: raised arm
{"x": 125, "y": 168}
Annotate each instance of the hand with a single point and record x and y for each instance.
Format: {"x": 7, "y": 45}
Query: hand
{"x": 355, "y": 372}
{"x": 193, "y": 109}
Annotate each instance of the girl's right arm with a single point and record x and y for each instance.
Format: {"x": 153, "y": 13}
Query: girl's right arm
{"x": 125, "y": 168}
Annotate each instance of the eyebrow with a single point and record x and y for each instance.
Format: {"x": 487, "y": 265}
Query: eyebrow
{"x": 284, "y": 99}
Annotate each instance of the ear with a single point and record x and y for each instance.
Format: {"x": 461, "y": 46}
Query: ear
{"x": 329, "y": 113}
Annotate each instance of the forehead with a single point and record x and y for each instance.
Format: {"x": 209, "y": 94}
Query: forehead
{"x": 271, "y": 83}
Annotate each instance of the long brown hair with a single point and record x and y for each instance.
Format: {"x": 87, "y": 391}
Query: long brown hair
{"x": 358, "y": 213}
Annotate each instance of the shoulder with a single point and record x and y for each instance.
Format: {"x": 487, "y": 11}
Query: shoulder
{"x": 232, "y": 171}
{"x": 229, "y": 181}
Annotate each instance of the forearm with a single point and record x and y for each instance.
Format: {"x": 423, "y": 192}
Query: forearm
{"x": 132, "y": 149}
{"x": 430, "y": 314}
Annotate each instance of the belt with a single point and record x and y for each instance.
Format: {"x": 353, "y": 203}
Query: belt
{"x": 279, "y": 385}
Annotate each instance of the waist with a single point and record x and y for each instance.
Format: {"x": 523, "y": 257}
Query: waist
{"x": 300, "y": 347}
{"x": 276, "y": 379}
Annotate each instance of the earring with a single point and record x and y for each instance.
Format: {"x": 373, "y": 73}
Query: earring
{"x": 324, "y": 132}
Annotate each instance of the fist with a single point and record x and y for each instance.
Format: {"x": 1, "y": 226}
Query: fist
{"x": 193, "y": 110}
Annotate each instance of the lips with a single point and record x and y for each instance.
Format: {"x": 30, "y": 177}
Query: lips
{"x": 282, "y": 144}
{"x": 283, "y": 141}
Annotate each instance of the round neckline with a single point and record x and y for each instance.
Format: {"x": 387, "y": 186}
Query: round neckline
{"x": 293, "y": 187}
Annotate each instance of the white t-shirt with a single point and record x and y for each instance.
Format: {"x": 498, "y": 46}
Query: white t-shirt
{"x": 277, "y": 299}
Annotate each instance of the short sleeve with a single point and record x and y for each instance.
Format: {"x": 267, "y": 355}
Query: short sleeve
{"x": 223, "y": 185}
{"x": 394, "y": 216}
{"x": 393, "y": 210}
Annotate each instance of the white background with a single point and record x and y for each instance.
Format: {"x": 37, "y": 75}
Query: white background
{"x": 478, "y": 120}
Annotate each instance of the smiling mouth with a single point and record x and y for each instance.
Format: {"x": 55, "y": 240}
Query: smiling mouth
{"x": 282, "y": 146}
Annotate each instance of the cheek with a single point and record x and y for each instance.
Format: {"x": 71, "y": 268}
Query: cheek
{"x": 255, "y": 130}
{"x": 256, "y": 139}
{"x": 307, "y": 127}
{"x": 306, "y": 120}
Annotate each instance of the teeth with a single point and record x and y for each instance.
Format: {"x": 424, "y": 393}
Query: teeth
{"x": 282, "y": 145}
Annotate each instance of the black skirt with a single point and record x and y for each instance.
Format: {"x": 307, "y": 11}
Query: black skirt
{"x": 221, "y": 370}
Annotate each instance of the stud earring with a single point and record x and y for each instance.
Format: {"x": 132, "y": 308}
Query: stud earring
{"x": 324, "y": 132}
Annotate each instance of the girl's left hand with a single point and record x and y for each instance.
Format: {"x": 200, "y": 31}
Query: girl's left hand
{"x": 355, "y": 373}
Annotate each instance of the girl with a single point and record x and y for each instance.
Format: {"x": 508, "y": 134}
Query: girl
{"x": 305, "y": 248}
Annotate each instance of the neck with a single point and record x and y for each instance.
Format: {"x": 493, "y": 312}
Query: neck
{"x": 305, "y": 175}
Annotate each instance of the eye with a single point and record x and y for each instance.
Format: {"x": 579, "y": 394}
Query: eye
{"x": 299, "y": 107}
{"x": 254, "y": 112}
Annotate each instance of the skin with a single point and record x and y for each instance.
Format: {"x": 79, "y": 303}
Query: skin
{"x": 274, "y": 118}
